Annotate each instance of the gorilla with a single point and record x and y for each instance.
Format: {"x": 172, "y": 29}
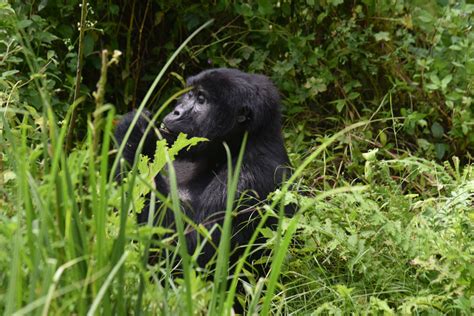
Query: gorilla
{"x": 222, "y": 105}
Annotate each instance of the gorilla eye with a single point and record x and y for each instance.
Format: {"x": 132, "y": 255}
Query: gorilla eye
{"x": 200, "y": 98}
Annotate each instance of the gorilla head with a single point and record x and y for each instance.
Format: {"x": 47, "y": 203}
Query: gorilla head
{"x": 223, "y": 104}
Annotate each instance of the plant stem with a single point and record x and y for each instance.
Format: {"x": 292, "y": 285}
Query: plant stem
{"x": 77, "y": 83}
{"x": 99, "y": 98}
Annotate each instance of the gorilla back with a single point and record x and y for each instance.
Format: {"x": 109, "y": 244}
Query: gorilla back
{"x": 222, "y": 106}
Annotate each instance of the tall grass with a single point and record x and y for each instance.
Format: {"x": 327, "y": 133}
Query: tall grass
{"x": 74, "y": 247}
{"x": 62, "y": 211}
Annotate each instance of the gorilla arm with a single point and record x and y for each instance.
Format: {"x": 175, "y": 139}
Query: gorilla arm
{"x": 140, "y": 128}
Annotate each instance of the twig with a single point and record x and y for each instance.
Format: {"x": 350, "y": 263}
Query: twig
{"x": 77, "y": 83}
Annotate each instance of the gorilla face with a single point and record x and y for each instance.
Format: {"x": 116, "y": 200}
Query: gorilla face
{"x": 190, "y": 115}
{"x": 220, "y": 105}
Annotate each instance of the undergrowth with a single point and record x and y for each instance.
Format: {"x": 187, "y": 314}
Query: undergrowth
{"x": 385, "y": 206}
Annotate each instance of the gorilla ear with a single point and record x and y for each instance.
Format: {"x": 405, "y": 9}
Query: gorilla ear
{"x": 244, "y": 115}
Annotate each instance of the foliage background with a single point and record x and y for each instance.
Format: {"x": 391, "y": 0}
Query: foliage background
{"x": 407, "y": 66}
{"x": 344, "y": 60}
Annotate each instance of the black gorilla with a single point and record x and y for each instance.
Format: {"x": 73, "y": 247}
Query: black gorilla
{"x": 222, "y": 105}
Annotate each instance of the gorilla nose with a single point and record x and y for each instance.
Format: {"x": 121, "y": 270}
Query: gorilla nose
{"x": 177, "y": 113}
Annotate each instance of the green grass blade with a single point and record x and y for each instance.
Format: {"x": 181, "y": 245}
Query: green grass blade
{"x": 222, "y": 265}
{"x": 106, "y": 284}
{"x": 280, "y": 253}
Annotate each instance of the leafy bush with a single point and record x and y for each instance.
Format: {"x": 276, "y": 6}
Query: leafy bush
{"x": 409, "y": 63}
{"x": 386, "y": 249}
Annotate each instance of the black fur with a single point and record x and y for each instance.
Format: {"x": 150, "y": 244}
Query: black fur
{"x": 222, "y": 105}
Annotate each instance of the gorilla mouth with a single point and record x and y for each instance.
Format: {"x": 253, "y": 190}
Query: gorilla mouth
{"x": 165, "y": 129}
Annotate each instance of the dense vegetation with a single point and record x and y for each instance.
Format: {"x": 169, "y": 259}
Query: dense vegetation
{"x": 379, "y": 124}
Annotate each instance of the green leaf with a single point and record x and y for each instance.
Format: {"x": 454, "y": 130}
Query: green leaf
{"x": 321, "y": 17}
{"x": 8, "y": 175}
{"x": 434, "y": 78}
{"x": 315, "y": 86}
{"x": 88, "y": 44}
{"x": 23, "y": 23}
{"x": 381, "y": 305}
{"x": 440, "y": 149}
{"x": 371, "y": 155}
{"x": 343, "y": 290}
{"x": 8, "y": 73}
{"x": 353, "y": 95}
{"x": 265, "y": 7}
{"x": 423, "y": 143}
{"x": 335, "y": 3}
{"x": 183, "y": 142}
{"x": 382, "y": 36}
{"x": 432, "y": 86}
{"x": 114, "y": 10}
{"x": 42, "y": 4}
{"x": 149, "y": 170}
{"x": 446, "y": 80}
{"x": 383, "y": 138}
{"x": 437, "y": 130}
{"x": 340, "y": 105}
{"x": 234, "y": 62}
